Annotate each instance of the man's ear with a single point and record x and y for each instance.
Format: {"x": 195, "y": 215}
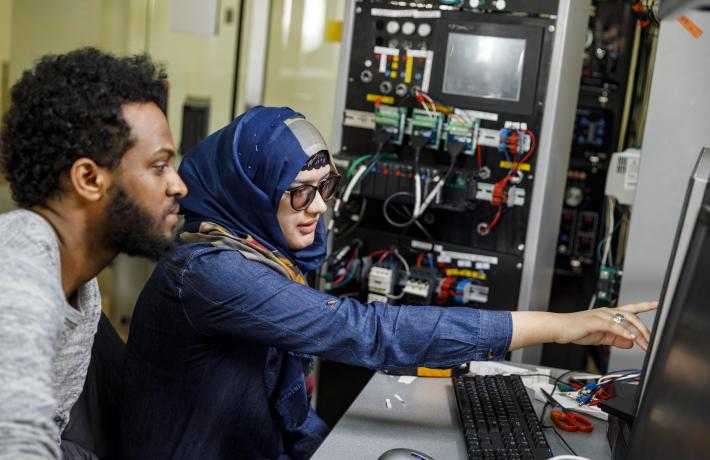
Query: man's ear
{"x": 89, "y": 180}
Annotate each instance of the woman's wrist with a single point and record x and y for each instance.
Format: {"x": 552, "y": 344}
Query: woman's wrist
{"x": 535, "y": 327}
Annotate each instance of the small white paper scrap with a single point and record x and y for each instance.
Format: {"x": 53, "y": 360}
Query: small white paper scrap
{"x": 388, "y": 403}
{"x": 399, "y": 398}
{"x": 407, "y": 379}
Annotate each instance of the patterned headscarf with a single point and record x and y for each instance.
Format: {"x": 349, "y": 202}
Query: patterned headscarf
{"x": 237, "y": 176}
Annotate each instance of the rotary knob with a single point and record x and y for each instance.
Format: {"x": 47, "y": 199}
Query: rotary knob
{"x": 424, "y": 29}
{"x": 392, "y": 27}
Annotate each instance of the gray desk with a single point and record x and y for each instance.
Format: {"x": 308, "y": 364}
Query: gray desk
{"x": 428, "y": 421}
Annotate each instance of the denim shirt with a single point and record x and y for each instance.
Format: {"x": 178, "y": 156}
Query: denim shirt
{"x": 214, "y": 358}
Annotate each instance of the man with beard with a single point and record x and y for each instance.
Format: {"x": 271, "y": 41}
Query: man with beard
{"x": 87, "y": 151}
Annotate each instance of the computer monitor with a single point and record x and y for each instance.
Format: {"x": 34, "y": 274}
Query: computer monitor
{"x": 487, "y": 63}
{"x": 673, "y": 410}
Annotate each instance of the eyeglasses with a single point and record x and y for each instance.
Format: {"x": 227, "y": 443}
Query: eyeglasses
{"x": 303, "y": 195}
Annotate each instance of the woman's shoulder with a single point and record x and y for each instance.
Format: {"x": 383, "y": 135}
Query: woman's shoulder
{"x": 187, "y": 253}
{"x": 208, "y": 260}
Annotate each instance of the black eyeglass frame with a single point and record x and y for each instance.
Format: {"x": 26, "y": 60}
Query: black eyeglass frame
{"x": 314, "y": 188}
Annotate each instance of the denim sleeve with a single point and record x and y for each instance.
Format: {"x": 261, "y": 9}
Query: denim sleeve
{"x": 225, "y": 295}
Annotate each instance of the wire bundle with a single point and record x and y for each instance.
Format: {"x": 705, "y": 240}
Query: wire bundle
{"x": 342, "y": 269}
{"x": 511, "y": 141}
{"x": 587, "y": 395}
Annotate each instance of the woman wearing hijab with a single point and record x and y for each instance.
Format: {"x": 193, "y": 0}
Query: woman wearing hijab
{"x": 221, "y": 337}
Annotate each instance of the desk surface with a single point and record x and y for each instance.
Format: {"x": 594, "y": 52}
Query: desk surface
{"x": 428, "y": 421}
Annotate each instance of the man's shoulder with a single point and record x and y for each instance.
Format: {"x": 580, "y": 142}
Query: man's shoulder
{"x": 26, "y": 236}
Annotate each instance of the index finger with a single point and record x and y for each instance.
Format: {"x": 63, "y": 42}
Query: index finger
{"x": 640, "y": 307}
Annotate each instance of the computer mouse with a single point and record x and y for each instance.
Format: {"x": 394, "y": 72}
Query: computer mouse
{"x": 404, "y": 454}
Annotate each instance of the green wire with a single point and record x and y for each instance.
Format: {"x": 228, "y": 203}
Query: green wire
{"x": 603, "y": 240}
{"x": 359, "y": 160}
{"x": 355, "y": 164}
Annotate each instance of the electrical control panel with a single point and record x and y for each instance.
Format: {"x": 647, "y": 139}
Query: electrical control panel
{"x": 438, "y": 142}
{"x": 598, "y": 124}
{"x": 451, "y": 183}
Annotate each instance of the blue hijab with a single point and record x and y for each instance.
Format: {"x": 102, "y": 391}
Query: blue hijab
{"x": 236, "y": 177}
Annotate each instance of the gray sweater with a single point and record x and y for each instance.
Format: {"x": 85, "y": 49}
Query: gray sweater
{"x": 45, "y": 342}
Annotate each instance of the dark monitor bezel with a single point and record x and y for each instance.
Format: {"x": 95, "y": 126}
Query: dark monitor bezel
{"x": 533, "y": 37}
{"x": 663, "y": 309}
{"x": 656, "y": 430}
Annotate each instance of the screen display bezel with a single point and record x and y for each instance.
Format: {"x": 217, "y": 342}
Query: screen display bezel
{"x": 532, "y": 36}
{"x": 695, "y": 192}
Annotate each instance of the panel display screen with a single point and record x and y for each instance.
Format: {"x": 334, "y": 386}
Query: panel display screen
{"x": 484, "y": 67}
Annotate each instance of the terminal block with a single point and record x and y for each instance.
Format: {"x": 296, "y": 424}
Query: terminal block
{"x": 464, "y": 131}
{"x": 391, "y": 120}
{"x": 381, "y": 280}
{"x": 466, "y": 291}
{"x": 515, "y": 195}
{"x": 418, "y": 288}
{"x": 429, "y": 125}
{"x": 372, "y": 297}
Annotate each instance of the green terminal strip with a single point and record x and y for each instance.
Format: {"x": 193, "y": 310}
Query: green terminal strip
{"x": 391, "y": 120}
{"x": 462, "y": 131}
{"x": 426, "y": 125}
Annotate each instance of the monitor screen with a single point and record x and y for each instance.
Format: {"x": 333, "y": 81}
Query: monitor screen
{"x": 484, "y": 66}
{"x": 672, "y": 418}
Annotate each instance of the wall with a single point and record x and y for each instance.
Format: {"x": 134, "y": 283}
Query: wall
{"x": 40, "y": 27}
{"x": 198, "y": 66}
{"x": 6, "y": 202}
{"x": 5, "y": 36}
{"x": 676, "y": 129}
{"x": 302, "y": 67}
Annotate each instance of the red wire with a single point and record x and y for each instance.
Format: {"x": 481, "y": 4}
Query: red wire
{"x": 374, "y": 253}
{"x": 478, "y": 156}
{"x": 533, "y": 144}
{"x": 495, "y": 220}
{"x": 383, "y": 256}
{"x": 347, "y": 268}
{"x": 420, "y": 258}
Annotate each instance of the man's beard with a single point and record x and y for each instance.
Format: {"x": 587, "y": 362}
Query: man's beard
{"x": 132, "y": 230}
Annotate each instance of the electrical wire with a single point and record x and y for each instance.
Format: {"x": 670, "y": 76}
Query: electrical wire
{"x": 610, "y": 227}
{"x": 562, "y": 439}
{"x": 348, "y": 270}
{"x": 485, "y": 228}
{"x": 357, "y": 220}
{"x": 356, "y": 162}
{"x": 415, "y": 215}
{"x": 531, "y": 150}
{"x": 420, "y": 142}
{"x": 426, "y": 233}
{"x": 381, "y": 138}
{"x": 420, "y": 259}
{"x": 353, "y": 182}
{"x": 558, "y": 379}
{"x": 422, "y": 99}
{"x": 407, "y": 272}
{"x": 603, "y": 258}
{"x": 417, "y": 194}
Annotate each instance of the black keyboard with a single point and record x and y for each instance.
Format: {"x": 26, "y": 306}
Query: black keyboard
{"x": 498, "y": 419}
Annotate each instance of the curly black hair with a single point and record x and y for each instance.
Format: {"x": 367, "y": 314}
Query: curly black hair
{"x": 68, "y": 107}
